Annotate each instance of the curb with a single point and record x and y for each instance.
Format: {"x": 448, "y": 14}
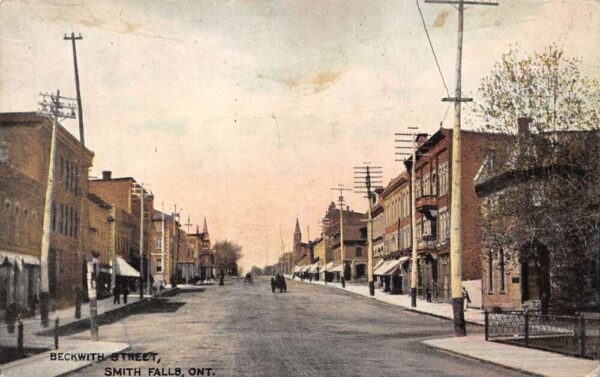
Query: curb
{"x": 389, "y": 303}
{"x": 92, "y": 363}
{"x": 484, "y": 361}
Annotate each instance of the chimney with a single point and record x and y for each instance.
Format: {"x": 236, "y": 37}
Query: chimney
{"x": 523, "y": 126}
{"x": 421, "y": 139}
{"x": 106, "y": 175}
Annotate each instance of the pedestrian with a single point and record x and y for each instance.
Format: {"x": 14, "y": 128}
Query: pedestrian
{"x": 428, "y": 293}
{"x": 125, "y": 293}
{"x": 117, "y": 295}
{"x": 466, "y": 298}
{"x": 272, "y": 284}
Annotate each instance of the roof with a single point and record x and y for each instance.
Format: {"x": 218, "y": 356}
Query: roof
{"x": 97, "y": 200}
{"x": 31, "y": 118}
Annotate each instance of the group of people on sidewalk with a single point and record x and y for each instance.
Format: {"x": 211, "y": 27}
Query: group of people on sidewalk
{"x": 117, "y": 291}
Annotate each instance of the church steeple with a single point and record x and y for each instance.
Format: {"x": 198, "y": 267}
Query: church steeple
{"x": 297, "y": 237}
{"x": 205, "y": 228}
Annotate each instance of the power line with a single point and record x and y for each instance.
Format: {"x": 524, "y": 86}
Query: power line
{"x": 432, "y": 49}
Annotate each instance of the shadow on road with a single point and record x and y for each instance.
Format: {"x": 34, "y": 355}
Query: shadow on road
{"x": 149, "y": 306}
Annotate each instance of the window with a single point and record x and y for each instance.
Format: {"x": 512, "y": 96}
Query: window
{"x": 60, "y": 219}
{"x": 53, "y": 216}
{"x": 3, "y": 152}
{"x": 443, "y": 178}
{"x": 426, "y": 185}
{"x": 490, "y": 271}
{"x": 501, "y": 263}
{"x": 434, "y": 183}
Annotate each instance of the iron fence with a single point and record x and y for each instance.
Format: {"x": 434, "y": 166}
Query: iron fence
{"x": 578, "y": 336}
{"x": 24, "y": 338}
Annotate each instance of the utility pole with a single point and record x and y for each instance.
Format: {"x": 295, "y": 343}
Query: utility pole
{"x": 53, "y": 105}
{"x": 74, "y": 38}
{"x": 175, "y": 216}
{"x": 456, "y": 192}
{"x": 82, "y": 206}
{"x": 162, "y": 243}
{"x": 341, "y": 189}
{"x": 413, "y": 205}
{"x": 365, "y": 177}
{"x": 140, "y": 192}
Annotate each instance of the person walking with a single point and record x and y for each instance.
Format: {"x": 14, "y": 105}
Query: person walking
{"x": 117, "y": 295}
{"x": 467, "y": 298}
{"x": 125, "y": 293}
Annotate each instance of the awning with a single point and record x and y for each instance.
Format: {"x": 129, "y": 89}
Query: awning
{"x": 387, "y": 268}
{"x": 314, "y": 268}
{"x": 305, "y": 268}
{"x": 17, "y": 258}
{"x": 337, "y": 268}
{"x": 124, "y": 269}
{"x": 403, "y": 260}
{"x": 327, "y": 267}
{"x": 378, "y": 264}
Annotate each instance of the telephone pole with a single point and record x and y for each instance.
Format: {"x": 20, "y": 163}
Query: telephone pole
{"x": 175, "y": 216}
{"x": 413, "y": 205}
{"x": 162, "y": 244}
{"x": 364, "y": 178}
{"x": 456, "y": 191}
{"x": 139, "y": 192}
{"x": 53, "y": 105}
{"x": 341, "y": 189}
{"x": 74, "y": 38}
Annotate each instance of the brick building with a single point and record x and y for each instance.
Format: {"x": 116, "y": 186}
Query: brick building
{"x": 433, "y": 196}
{"x": 120, "y": 194}
{"x": 206, "y": 256}
{"x": 355, "y": 252}
{"x": 24, "y": 159}
{"x": 98, "y": 242}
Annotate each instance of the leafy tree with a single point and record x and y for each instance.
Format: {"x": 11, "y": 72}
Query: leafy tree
{"x": 227, "y": 255}
{"x": 548, "y": 173}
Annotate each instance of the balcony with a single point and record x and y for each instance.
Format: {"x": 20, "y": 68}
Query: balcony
{"x": 427, "y": 205}
{"x": 426, "y": 201}
{"x": 428, "y": 243}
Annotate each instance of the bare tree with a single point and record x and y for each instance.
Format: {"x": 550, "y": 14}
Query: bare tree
{"x": 227, "y": 255}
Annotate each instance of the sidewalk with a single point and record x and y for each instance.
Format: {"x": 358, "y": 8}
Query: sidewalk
{"x": 528, "y": 360}
{"x": 441, "y": 310}
{"x": 41, "y": 365}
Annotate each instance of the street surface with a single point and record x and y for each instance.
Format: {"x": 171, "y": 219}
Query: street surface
{"x": 243, "y": 329}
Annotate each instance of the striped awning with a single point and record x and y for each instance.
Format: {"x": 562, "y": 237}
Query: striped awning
{"x": 387, "y": 268}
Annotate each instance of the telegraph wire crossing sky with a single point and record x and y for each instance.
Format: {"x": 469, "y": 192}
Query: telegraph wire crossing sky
{"x": 247, "y": 112}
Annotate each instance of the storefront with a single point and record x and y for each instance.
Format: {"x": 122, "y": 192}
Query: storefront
{"x": 19, "y": 283}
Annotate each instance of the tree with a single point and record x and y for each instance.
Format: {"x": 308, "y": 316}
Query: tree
{"x": 227, "y": 255}
{"x": 548, "y": 170}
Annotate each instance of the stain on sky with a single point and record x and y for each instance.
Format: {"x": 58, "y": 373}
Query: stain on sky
{"x": 313, "y": 82}
{"x": 440, "y": 20}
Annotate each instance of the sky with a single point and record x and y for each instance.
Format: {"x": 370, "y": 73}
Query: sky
{"x": 249, "y": 112}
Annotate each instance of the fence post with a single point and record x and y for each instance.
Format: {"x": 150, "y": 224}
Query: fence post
{"x": 56, "y": 333}
{"x": 582, "y": 336}
{"x": 526, "y": 328}
{"x": 20, "y": 338}
{"x": 487, "y": 324}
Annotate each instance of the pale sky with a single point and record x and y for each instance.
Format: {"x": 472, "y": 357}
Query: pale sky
{"x": 248, "y": 112}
